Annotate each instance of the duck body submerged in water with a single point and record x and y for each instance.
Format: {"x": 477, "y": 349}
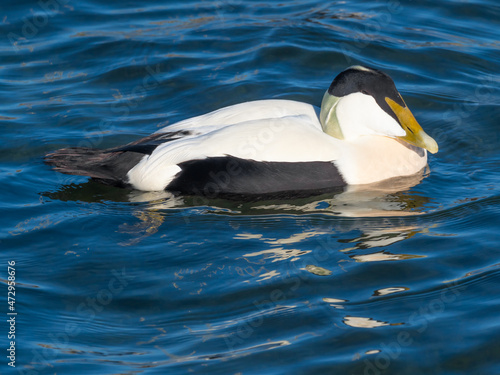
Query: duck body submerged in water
{"x": 364, "y": 133}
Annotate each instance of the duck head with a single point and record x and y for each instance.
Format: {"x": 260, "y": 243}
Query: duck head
{"x": 363, "y": 101}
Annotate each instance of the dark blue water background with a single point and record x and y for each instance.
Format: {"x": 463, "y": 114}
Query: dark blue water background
{"x": 112, "y": 281}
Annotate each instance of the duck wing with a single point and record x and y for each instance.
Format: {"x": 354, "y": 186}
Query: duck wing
{"x": 279, "y": 149}
{"x": 261, "y": 147}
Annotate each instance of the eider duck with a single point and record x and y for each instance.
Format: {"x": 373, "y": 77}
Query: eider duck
{"x": 364, "y": 133}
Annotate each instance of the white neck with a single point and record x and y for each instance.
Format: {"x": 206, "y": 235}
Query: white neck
{"x": 359, "y": 115}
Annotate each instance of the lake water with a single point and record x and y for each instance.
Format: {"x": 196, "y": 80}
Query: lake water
{"x": 396, "y": 280}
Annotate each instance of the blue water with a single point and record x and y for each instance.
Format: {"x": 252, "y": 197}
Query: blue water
{"x": 110, "y": 281}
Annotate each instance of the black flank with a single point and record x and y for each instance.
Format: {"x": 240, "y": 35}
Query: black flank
{"x": 233, "y": 177}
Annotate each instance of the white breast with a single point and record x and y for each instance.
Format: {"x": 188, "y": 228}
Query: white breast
{"x": 371, "y": 159}
{"x": 275, "y": 131}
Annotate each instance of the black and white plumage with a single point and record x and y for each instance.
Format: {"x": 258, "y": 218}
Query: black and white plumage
{"x": 364, "y": 133}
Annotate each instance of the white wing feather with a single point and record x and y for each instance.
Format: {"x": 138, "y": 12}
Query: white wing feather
{"x": 244, "y": 112}
{"x": 294, "y": 137}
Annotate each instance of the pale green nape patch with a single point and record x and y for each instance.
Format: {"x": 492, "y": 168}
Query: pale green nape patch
{"x": 328, "y": 116}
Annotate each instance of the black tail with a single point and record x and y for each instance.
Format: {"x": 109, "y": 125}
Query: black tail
{"x": 108, "y": 166}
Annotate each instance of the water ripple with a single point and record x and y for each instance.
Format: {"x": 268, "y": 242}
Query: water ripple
{"x": 377, "y": 280}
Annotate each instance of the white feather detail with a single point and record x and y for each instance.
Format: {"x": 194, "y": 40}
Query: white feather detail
{"x": 364, "y": 116}
{"x": 287, "y": 131}
{"x": 285, "y": 139}
{"x": 370, "y": 159}
{"x": 244, "y": 112}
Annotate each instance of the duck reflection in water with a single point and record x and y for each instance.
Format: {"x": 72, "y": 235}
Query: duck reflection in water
{"x": 390, "y": 198}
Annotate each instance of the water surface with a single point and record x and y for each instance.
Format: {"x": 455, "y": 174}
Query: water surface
{"x": 399, "y": 280}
